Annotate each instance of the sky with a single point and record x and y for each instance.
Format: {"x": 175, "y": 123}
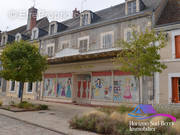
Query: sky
{"x": 13, "y": 13}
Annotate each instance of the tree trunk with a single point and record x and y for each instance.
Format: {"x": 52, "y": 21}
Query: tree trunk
{"x": 22, "y": 91}
{"x": 139, "y": 90}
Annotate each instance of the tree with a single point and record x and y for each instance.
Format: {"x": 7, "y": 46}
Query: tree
{"x": 22, "y": 62}
{"x": 140, "y": 55}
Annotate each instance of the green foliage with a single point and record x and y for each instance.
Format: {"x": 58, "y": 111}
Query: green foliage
{"x": 140, "y": 55}
{"x": 105, "y": 125}
{"x": 22, "y": 62}
{"x": 43, "y": 107}
{"x": 120, "y": 109}
{"x": 25, "y": 105}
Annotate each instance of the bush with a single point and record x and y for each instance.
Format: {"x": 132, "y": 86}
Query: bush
{"x": 42, "y": 107}
{"x": 25, "y": 105}
{"x": 97, "y": 122}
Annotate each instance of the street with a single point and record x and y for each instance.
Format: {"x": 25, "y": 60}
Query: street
{"x": 10, "y": 126}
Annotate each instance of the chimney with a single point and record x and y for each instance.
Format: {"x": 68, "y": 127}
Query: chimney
{"x": 32, "y": 16}
{"x": 76, "y": 13}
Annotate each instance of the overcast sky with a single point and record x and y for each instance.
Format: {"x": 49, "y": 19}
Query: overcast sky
{"x": 13, "y": 13}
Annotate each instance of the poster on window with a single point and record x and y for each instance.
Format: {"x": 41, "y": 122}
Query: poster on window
{"x": 59, "y": 85}
{"x": 50, "y": 87}
{"x": 64, "y": 87}
{"x": 102, "y": 86}
{"x": 125, "y": 89}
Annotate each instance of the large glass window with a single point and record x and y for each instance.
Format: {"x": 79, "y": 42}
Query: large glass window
{"x": 102, "y": 86}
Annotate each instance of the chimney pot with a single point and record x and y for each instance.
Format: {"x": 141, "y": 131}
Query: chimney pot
{"x": 76, "y": 13}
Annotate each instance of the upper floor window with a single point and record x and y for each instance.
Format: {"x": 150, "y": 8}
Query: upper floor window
{"x": 52, "y": 29}
{"x": 83, "y": 44}
{"x": 107, "y": 40}
{"x": 35, "y": 34}
{"x": 131, "y": 7}
{"x": 64, "y": 45}
{"x": 50, "y": 50}
{"x": 30, "y": 87}
{"x": 18, "y": 37}
{"x": 177, "y": 46}
{"x": 3, "y": 40}
{"x": 85, "y": 18}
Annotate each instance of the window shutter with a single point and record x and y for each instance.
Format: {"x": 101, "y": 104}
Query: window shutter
{"x": 177, "y": 46}
{"x": 175, "y": 90}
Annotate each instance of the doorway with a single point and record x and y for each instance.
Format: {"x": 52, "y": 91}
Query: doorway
{"x": 83, "y": 86}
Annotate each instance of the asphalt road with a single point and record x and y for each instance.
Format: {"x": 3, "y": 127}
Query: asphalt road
{"x": 9, "y": 126}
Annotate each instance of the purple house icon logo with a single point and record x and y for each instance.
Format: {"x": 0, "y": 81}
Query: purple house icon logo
{"x": 141, "y": 110}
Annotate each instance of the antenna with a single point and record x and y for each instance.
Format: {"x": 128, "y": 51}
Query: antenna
{"x": 82, "y": 4}
{"x": 34, "y": 3}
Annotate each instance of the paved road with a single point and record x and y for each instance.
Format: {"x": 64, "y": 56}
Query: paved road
{"x": 10, "y": 126}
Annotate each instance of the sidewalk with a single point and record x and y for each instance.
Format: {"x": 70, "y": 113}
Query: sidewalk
{"x": 55, "y": 119}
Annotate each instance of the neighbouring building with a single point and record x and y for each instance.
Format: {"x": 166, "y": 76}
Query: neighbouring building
{"x": 168, "y": 82}
{"x": 80, "y": 54}
{"x": 30, "y": 32}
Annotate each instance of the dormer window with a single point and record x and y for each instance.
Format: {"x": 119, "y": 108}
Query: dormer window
{"x": 4, "y": 40}
{"x": 52, "y": 29}
{"x": 35, "y": 34}
{"x": 131, "y": 7}
{"x": 18, "y": 37}
{"x": 85, "y": 18}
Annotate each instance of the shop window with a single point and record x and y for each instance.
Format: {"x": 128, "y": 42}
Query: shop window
{"x": 177, "y": 46}
{"x": 102, "y": 86}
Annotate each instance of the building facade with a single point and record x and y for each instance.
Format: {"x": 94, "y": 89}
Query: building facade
{"x": 168, "y": 82}
{"x": 30, "y": 32}
{"x": 80, "y": 54}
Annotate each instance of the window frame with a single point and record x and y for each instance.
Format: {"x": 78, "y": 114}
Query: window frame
{"x": 174, "y": 34}
{"x": 10, "y": 88}
{"x": 131, "y": 7}
{"x": 64, "y": 42}
{"x": 48, "y": 46}
{"x": 105, "y": 34}
{"x": 83, "y": 38}
{"x": 27, "y": 89}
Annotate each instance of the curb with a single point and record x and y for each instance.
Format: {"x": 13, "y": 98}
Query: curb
{"x": 37, "y": 125}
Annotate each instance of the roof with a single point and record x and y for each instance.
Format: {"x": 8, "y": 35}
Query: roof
{"x": 109, "y": 14}
{"x": 171, "y": 13}
{"x": 42, "y": 23}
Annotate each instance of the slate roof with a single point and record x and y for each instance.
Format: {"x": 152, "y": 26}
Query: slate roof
{"x": 171, "y": 13}
{"x": 108, "y": 14}
{"x": 42, "y": 24}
